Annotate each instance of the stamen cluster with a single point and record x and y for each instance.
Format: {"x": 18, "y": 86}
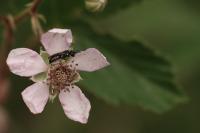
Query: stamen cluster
{"x": 61, "y": 75}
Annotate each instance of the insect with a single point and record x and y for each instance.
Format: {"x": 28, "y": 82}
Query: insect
{"x": 62, "y": 55}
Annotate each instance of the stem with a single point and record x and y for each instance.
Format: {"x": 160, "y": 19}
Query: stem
{"x": 27, "y": 12}
{"x": 35, "y": 5}
{"x": 6, "y": 46}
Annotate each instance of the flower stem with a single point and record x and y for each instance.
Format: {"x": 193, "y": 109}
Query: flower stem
{"x": 28, "y": 11}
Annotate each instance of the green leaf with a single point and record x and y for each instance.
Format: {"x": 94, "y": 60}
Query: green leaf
{"x": 137, "y": 75}
{"x": 148, "y": 21}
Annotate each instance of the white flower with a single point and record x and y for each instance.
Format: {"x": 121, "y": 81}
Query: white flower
{"x": 61, "y": 74}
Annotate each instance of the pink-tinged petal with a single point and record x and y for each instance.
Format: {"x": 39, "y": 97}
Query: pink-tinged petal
{"x": 25, "y": 62}
{"x": 76, "y": 106}
{"x": 89, "y": 60}
{"x": 57, "y": 40}
{"x": 36, "y": 97}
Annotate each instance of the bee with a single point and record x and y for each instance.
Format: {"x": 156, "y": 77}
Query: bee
{"x": 62, "y": 55}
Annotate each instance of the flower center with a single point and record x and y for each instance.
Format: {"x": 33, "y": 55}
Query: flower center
{"x": 61, "y": 75}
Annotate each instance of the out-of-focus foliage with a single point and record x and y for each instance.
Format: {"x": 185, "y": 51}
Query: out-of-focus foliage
{"x": 137, "y": 75}
{"x": 114, "y": 6}
{"x": 171, "y": 25}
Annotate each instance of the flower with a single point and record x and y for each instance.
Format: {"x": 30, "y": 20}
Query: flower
{"x": 58, "y": 77}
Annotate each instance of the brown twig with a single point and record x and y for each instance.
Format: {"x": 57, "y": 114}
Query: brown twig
{"x": 8, "y": 35}
{"x": 6, "y": 46}
{"x": 27, "y": 12}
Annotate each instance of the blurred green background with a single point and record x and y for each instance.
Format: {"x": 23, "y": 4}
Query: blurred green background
{"x": 172, "y": 27}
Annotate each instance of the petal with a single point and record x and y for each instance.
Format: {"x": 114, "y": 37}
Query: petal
{"x": 89, "y": 60}
{"x": 56, "y": 40}
{"x": 76, "y": 106}
{"x": 36, "y": 97}
{"x": 25, "y": 62}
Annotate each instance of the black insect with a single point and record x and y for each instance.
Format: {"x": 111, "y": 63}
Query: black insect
{"x": 62, "y": 55}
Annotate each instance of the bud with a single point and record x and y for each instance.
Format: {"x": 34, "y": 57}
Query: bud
{"x": 95, "y": 5}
